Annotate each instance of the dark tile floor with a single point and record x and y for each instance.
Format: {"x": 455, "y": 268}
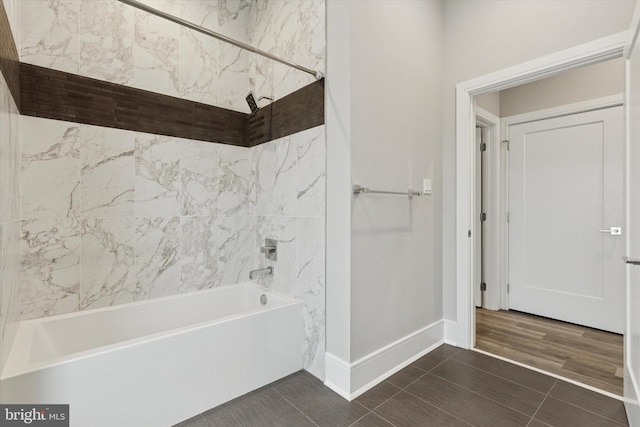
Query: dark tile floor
{"x": 447, "y": 387}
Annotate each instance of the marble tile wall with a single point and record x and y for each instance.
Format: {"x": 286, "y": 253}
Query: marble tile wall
{"x": 113, "y": 216}
{"x": 9, "y": 210}
{"x": 290, "y": 206}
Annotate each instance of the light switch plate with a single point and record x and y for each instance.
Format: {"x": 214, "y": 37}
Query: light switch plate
{"x": 426, "y": 186}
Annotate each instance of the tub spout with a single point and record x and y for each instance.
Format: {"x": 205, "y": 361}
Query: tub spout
{"x": 268, "y": 271}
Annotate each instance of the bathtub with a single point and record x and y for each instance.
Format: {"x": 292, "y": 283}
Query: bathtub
{"x": 158, "y": 362}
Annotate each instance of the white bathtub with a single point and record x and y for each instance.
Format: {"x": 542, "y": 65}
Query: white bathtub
{"x": 155, "y": 363}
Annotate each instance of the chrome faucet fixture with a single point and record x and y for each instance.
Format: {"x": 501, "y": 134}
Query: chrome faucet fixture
{"x": 268, "y": 271}
{"x": 270, "y": 249}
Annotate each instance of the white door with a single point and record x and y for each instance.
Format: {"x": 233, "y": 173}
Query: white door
{"x": 566, "y": 185}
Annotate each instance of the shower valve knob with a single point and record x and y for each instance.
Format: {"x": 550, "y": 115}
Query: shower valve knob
{"x": 270, "y": 249}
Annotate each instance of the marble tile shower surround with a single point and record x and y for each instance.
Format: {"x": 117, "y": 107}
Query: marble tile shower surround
{"x": 111, "y": 41}
{"x": 113, "y": 216}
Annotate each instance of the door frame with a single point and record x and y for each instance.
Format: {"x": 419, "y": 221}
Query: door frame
{"x": 462, "y": 331}
{"x": 494, "y": 208}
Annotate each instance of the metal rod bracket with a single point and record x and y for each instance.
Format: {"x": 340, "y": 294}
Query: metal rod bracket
{"x": 631, "y": 261}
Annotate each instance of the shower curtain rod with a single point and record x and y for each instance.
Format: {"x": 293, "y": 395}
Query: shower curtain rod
{"x": 316, "y": 73}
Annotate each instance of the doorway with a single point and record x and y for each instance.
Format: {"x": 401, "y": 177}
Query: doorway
{"x": 461, "y": 331}
{"x": 543, "y": 163}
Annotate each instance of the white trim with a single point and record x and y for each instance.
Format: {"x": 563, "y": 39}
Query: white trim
{"x": 631, "y": 395}
{"x": 337, "y": 375}
{"x": 564, "y": 110}
{"x": 381, "y": 364}
{"x": 599, "y": 50}
{"x": 551, "y": 374}
{"x": 635, "y": 29}
{"x": 487, "y": 118}
{"x": 588, "y": 53}
{"x": 370, "y": 370}
{"x": 451, "y": 332}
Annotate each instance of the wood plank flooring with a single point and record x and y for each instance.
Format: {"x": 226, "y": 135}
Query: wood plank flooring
{"x": 587, "y": 355}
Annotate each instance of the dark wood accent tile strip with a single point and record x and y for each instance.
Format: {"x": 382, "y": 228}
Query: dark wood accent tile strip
{"x": 298, "y": 111}
{"x": 63, "y": 96}
{"x": 9, "y": 60}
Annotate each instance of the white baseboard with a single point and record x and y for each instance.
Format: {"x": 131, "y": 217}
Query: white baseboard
{"x": 352, "y": 380}
{"x": 338, "y": 375}
{"x": 631, "y": 396}
{"x": 451, "y": 332}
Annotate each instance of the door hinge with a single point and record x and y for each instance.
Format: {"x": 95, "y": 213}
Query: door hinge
{"x": 483, "y": 146}
{"x": 483, "y": 216}
{"x": 508, "y": 287}
{"x": 506, "y": 142}
{"x": 469, "y": 233}
{"x": 483, "y": 286}
{"x": 508, "y": 216}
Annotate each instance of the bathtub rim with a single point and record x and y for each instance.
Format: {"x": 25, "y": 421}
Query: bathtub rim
{"x": 27, "y": 328}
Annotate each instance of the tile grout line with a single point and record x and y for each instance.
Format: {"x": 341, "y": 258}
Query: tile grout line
{"x": 587, "y": 410}
{"x": 423, "y": 370}
{"x": 296, "y": 408}
{"x": 437, "y": 407}
{"x": 541, "y": 403}
{"x": 358, "y": 420}
{"x": 575, "y": 406}
{"x": 504, "y": 378}
{"x": 389, "y": 398}
{"x": 484, "y": 397}
{"x": 378, "y": 415}
{"x": 366, "y": 415}
{"x": 401, "y": 389}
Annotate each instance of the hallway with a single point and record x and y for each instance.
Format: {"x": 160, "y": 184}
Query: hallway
{"x": 586, "y": 355}
{"x": 448, "y": 386}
